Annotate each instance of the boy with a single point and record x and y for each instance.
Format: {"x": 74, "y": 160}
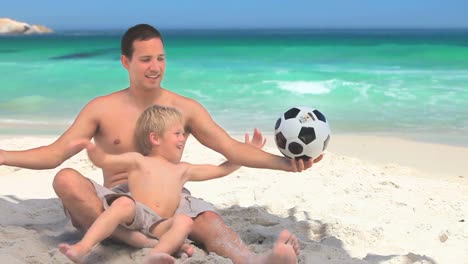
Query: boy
{"x": 156, "y": 178}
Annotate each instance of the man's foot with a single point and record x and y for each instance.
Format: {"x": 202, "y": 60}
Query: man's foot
{"x": 285, "y": 251}
{"x": 75, "y": 253}
{"x": 185, "y": 251}
{"x": 287, "y": 238}
{"x": 158, "y": 258}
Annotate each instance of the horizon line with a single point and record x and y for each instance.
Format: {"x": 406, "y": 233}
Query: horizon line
{"x": 273, "y": 28}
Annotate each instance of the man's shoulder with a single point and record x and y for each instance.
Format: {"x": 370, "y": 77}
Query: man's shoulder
{"x": 181, "y": 101}
{"x": 108, "y": 98}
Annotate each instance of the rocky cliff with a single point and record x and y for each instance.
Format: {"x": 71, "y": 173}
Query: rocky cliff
{"x": 10, "y": 26}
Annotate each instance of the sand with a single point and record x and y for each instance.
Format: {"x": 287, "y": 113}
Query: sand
{"x": 370, "y": 200}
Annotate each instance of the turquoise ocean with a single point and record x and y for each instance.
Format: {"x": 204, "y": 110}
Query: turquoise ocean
{"x": 405, "y": 83}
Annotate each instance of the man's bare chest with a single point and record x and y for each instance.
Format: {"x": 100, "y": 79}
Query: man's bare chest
{"x": 116, "y": 135}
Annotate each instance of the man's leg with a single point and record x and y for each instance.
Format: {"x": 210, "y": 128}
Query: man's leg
{"x": 80, "y": 199}
{"x": 210, "y": 230}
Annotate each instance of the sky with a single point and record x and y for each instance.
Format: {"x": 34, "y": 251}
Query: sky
{"x": 185, "y": 14}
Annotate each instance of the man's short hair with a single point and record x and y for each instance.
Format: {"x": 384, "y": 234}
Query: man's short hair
{"x": 137, "y": 32}
{"x": 154, "y": 119}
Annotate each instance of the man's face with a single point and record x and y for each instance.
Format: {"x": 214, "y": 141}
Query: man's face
{"x": 147, "y": 65}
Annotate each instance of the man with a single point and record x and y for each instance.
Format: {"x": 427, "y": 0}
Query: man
{"x": 111, "y": 121}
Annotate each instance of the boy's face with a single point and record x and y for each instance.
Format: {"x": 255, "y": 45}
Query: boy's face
{"x": 147, "y": 65}
{"x": 172, "y": 142}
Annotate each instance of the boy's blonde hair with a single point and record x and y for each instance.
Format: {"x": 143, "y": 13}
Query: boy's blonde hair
{"x": 154, "y": 119}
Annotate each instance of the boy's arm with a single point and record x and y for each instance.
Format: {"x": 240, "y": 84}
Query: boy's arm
{"x": 205, "y": 172}
{"x": 122, "y": 162}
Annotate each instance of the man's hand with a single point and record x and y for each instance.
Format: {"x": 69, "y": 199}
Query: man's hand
{"x": 2, "y": 157}
{"x": 298, "y": 165}
{"x": 258, "y": 140}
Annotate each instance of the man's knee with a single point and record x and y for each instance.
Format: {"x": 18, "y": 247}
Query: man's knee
{"x": 64, "y": 180}
{"x": 70, "y": 184}
{"x": 78, "y": 196}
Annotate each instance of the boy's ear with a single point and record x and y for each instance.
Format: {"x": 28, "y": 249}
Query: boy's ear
{"x": 154, "y": 139}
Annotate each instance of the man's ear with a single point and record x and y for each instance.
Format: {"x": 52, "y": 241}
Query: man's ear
{"x": 125, "y": 61}
{"x": 154, "y": 139}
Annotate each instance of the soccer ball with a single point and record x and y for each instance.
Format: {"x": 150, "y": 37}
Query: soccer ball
{"x": 302, "y": 133}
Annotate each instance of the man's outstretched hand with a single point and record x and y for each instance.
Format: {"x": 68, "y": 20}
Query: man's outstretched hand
{"x": 294, "y": 165}
{"x": 298, "y": 165}
{"x": 258, "y": 140}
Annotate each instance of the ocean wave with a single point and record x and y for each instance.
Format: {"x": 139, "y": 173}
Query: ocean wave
{"x": 305, "y": 87}
{"x": 396, "y": 70}
{"x": 314, "y": 87}
{"x": 26, "y": 103}
{"x": 19, "y": 122}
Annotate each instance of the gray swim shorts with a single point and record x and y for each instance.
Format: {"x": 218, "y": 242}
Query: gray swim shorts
{"x": 145, "y": 218}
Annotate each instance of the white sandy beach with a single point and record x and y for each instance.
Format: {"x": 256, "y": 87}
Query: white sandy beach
{"x": 370, "y": 200}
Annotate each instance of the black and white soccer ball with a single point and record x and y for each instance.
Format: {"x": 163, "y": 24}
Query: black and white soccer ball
{"x": 302, "y": 133}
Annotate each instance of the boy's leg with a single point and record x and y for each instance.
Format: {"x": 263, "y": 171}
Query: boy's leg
{"x": 79, "y": 197}
{"x": 122, "y": 210}
{"x": 172, "y": 233}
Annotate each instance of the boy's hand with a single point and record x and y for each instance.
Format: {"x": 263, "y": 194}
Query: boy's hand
{"x": 94, "y": 154}
{"x": 77, "y": 146}
{"x": 258, "y": 140}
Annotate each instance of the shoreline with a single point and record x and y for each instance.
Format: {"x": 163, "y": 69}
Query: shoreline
{"x": 430, "y": 159}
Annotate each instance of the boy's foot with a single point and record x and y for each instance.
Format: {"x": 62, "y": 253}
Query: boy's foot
{"x": 159, "y": 258}
{"x": 185, "y": 251}
{"x": 75, "y": 253}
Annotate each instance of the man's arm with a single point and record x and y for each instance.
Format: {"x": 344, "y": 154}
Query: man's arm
{"x": 210, "y": 134}
{"x": 122, "y": 162}
{"x": 51, "y": 156}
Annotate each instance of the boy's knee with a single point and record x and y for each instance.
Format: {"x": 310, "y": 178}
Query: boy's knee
{"x": 184, "y": 220}
{"x": 124, "y": 203}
